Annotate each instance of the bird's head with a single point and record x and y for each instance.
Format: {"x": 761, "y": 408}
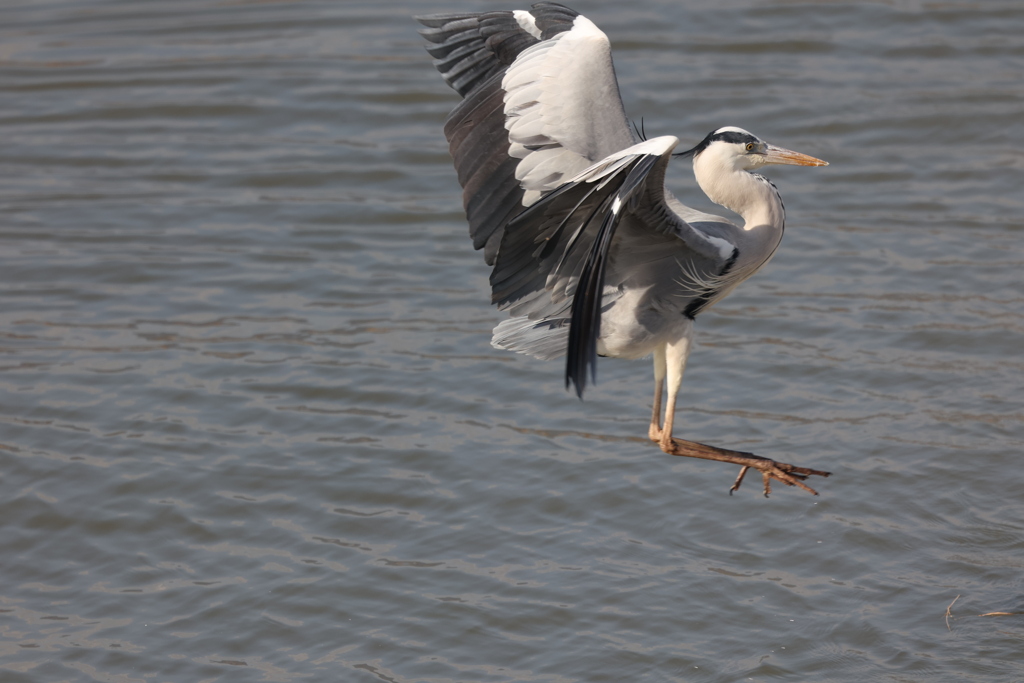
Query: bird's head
{"x": 723, "y": 163}
{"x": 740, "y": 150}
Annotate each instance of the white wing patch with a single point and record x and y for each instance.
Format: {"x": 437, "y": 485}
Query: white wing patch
{"x": 527, "y": 22}
{"x": 725, "y": 248}
{"x": 613, "y": 162}
{"x": 562, "y": 106}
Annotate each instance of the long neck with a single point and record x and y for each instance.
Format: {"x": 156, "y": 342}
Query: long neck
{"x": 749, "y": 195}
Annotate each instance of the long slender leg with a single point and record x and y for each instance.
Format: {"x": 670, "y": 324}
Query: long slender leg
{"x": 676, "y": 354}
{"x": 659, "y": 384}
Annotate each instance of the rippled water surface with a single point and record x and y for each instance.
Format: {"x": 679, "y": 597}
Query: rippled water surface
{"x": 252, "y": 429}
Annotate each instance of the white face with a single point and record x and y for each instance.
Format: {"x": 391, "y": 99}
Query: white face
{"x": 746, "y": 154}
{"x": 754, "y": 153}
{"x": 734, "y": 147}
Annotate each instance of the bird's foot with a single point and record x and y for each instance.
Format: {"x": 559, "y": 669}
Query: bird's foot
{"x": 791, "y": 475}
{"x": 654, "y": 433}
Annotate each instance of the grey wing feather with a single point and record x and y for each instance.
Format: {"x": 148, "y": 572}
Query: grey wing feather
{"x": 472, "y": 51}
{"x": 540, "y": 104}
{"x": 544, "y": 339}
{"x": 473, "y": 63}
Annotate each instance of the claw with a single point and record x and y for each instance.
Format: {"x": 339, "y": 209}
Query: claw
{"x": 739, "y": 479}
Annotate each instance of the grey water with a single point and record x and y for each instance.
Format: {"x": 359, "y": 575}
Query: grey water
{"x": 252, "y": 429}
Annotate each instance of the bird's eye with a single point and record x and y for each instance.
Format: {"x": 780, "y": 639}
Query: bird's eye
{"x": 750, "y": 146}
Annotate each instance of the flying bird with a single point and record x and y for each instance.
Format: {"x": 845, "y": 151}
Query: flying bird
{"x": 591, "y": 255}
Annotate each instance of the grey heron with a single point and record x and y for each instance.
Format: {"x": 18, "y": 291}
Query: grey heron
{"x": 591, "y": 255}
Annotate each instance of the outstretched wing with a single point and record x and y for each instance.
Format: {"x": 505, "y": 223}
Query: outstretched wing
{"x": 541, "y": 104}
{"x": 569, "y": 209}
{"x": 568, "y": 257}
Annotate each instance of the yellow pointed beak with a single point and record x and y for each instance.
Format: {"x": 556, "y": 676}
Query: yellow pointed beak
{"x": 778, "y": 155}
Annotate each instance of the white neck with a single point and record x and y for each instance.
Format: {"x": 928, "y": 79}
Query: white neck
{"x": 735, "y": 188}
